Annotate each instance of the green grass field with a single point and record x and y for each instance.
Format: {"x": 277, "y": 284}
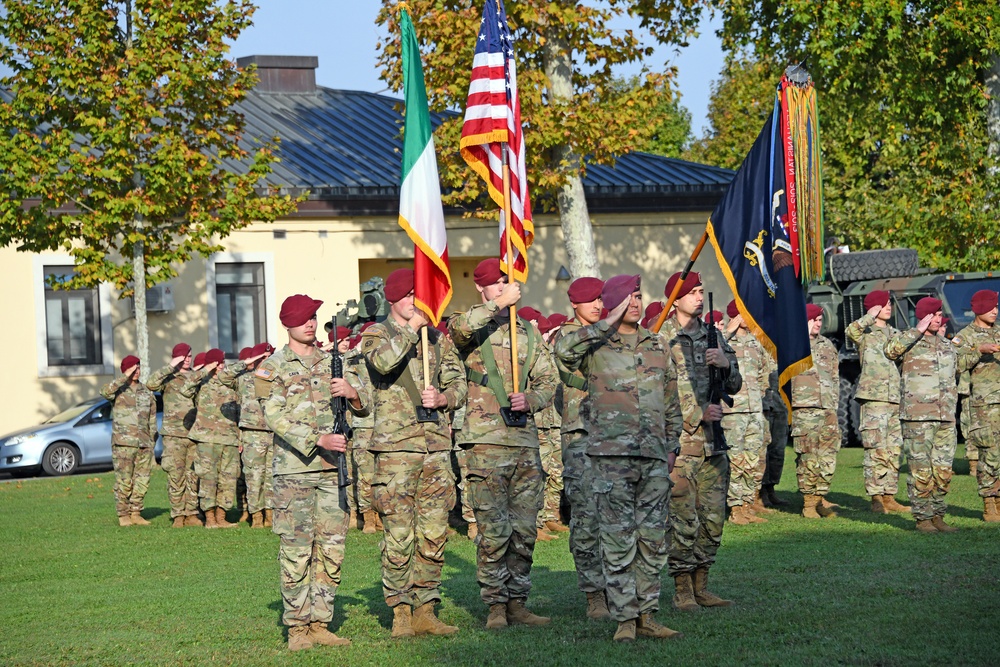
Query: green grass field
{"x": 855, "y": 590}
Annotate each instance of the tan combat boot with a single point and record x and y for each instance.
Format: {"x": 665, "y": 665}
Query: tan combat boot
{"x": 942, "y": 527}
{"x": 369, "y": 519}
{"x": 518, "y": 614}
{"x": 220, "y": 519}
{"x": 124, "y": 520}
{"x": 178, "y": 522}
{"x": 257, "y": 520}
{"x": 684, "y": 593}
{"x": 378, "y": 522}
{"x": 352, "y": 522}
{"x": 737, "y": 516}
{"x": 824, "y": 509}
{"x": 647, "y": 626}
{"x": 320, "y": 634}
{"x": 750, "y": 512}
{"x": 890, "y": 504}
{"x": 498, "y": 616}
{"x": 544, "y": 536}
{"x": 809, "y": 507}
{"x": 244, "y": 516}
{"x": 702, "y": 595}
{"x": 402, "y": 621}
{"x": 137, "y": 519}
{"x": 426, "y": 623}
{"x": 472, "y": 531}
{"x": 878, "y": 507}
{"x": 193, "y": 520}
{"x": 597, "y": 606}
{"x": 758, "y": 505}
{"x": 974, "y": 468}
{"x": 926, "y": 526}
{"x": 298, "y": 635}
{"x": 991, "y": 511}
{"x": 556, "y": 527}
{"x": 210, "y": 521}
{"x": 625, "y": 631}
{"x": 268, "y": 518}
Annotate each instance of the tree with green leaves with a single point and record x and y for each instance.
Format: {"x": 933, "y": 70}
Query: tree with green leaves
{"x": 122, "y": 143}
{"x": 669, "y": 132}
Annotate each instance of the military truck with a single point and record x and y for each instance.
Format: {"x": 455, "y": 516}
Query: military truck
{"x": 851, "y": 276}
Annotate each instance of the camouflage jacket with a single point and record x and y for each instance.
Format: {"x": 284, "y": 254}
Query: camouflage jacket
{"x": 984, "y": 374}
{"x": 482, "y": 422}
{"x": 359, "y": 368}
{"x": 688, "y": 352}
{"x": 569, "y": 399}
{"x": 549, "y": 416}
{"x": 879, "y": 379}
{"x": 218, "y": 406}
{"x": 819, "y": 387}
{"x": 133, "y": 413}
{"x": 394, "y": 357}
{"x": 251, "y": 413}
{"x": 755, "y": 364}
{"x": 178, "y": 410}
{"x": 298, "y": 407}
{"x": 928, "y": 392}
{"x": 633, "y": 380}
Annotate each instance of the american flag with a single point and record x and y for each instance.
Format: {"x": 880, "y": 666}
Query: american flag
{"x": 492, "y": 118}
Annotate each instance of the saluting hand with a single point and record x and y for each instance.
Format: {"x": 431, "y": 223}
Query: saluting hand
{"x": 177, "y": 361}
{"x": 875, "y": 310}
{"x": 734, "y": 323}
{"x": 333, "y": 442}
{"x": 924, "y": 323}
{"x": 432, "y": 399}
{"x": 618, "y": 312}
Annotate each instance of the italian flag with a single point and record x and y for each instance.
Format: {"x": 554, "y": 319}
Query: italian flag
{"x": 420, "y": 211}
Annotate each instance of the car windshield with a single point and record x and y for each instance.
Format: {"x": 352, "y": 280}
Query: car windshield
{"x": 959, "y": 294}
{"x": 73, "y": 412}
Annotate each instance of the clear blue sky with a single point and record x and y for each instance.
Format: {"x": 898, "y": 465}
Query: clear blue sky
{"x": 343, "y": 34}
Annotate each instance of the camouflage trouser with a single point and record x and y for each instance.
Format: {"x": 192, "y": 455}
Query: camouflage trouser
{"x": 930, "y": 451}
{"x": 747, "y": 437}
{"x": 413, "y": 492}
{"x": 132, "y": 468}
{"x": 816, "y": 437}
{"x": 986, "y": 437}
{"x": 258, "y": 456}
{"x": 505, "y": 489}
{"x": 461, "y": 457}
{"x": 178, "y": 459}
{"x": 965, "y": 421}
{"x": 777, "y": 419}
{"x": 584, "y": 525}
{"x": 362, "y": 470}
{"x": 217, "y": 467}
{"x": 312, "y": 528}
{"x": 633, "y": 496}
{"x": 697, "y": 511}
{"x": 882, "y": 437}
{"x": 550, "y": 451}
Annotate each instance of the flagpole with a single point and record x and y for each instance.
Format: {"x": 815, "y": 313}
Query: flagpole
{"x": 510, "y": 267}
{"x": 680, "y": 282}
{"x": 427, "y": 366}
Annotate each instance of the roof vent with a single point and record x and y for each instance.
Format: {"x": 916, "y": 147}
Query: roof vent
{"x": 283, "y": 74}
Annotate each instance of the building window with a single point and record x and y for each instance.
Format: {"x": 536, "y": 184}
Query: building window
{"x": 240, "y": 306}
{"x": 72, "y": 321}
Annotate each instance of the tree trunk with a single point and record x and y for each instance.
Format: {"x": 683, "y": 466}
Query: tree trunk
{"x": 993, "y": 107}
{"x": 578, "y": 235}
{"x": 139, "y": 301}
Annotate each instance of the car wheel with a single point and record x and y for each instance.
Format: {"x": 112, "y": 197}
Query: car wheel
{"x": 61, "y": 458}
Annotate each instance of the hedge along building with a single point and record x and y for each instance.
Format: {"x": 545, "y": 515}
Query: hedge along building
{"x": 344, "y": 149}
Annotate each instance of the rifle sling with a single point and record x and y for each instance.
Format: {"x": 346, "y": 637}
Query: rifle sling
{"x": 492, "y": 377}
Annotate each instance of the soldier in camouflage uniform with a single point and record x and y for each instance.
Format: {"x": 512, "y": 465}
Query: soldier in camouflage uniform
{"x": 701, "y": 474}
{"x": 217, "y": 433}
{"x": 878, "y": 393}
{"x": 179, "y": 451}
{"x": 815, "y": 431}
{"x": 927, "y": 408}
{"x": 981, "y": 341}
{"x": 632, "y": 441}
{"x": 297, "y": 387}
{"x": 548, "y": 423}
{"x": 414, "y": 486}
{"x": 133, "y": 434}
{"x": 504, "y": 477}
{"x": 745, "y": 424}
{"x": 361, "y": 457}
{"x": 776, "y": 413}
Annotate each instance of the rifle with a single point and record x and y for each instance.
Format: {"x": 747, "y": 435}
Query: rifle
{"x": 716, "y": 384}
{"x": 340, "y": 425}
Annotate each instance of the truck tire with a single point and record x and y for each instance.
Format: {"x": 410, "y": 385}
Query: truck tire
{"x": 848, "y": 413}
{"x": 873, "y": 264}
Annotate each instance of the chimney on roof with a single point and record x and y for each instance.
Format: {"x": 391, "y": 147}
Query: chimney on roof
{"x": 283, "y": 74}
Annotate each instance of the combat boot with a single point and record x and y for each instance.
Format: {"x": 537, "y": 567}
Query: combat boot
{"x": 758, "y": 505}
{"x": 824, "y": 509}
{"x": 378, "y": 522}
{"x": 684, "y": 593}
{"x": 137, "y": 519}
{"x": 625, "y": 631}
{"x": 210, "y": 521}
{"x": 737, "y": 516}
{"x": 556, "y": 527}
{"x": 220, "y": 519}
{"x": 402, "y": 621}
{"x": 809, "y": 507}
{"x": 750, "y": 512}
{"x": 244, "y": 516}
{"x": 178, "y": 522}
{"x": 772, "y": 497}
{"x": 268, "y": 518}
{"x": 942, "y": 527}
{"x": 991, "y": 512}
{"x": 890, "y": 504}
{"x": 124, "y": 520}
{"x": 926, "y": 526}
{"x": 426, "y": 623}
{"x": 597, "y": 606}
{"x": 702, "y": 595}
{"x": 473, "y": 530}
{"x": 193, "y": 520}
{"x": 878, "y": 507}
{"x": 257, "y": 520}
{"x": 498, "y": 616}
{"x": 973, "y": 468}
{"x": 320, "y": 634}
{"x": 369, "y": 519}
{"x": 298, "y": 638}
{"x": 518, "y": 614}
{"x": 352, "y": 522}
{"x": 544, "y": 536}
{"x": 647, "y": 626}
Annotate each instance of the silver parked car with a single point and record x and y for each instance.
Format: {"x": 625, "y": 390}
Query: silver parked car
{"x": 79, "y": 436}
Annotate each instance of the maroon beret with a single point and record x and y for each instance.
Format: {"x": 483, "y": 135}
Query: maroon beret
{"x": 557, "y": 320}
{"x": 297, "y": 310}
{"x": 215, "y": 356}
{"x": 181, "y": 350}
{"x": 544, "y": 325}
{"x": 529, "y": 313}
{"x": 653, "y": 310}
{"x": 813, "y": 311}
{"x": 732, "y": 309}
{"x": 246, "y": 353}
{"x": 618, "y": 289}
{"x": 585, "y": 290}
{"x": 366, "y": 326}
{"x": 604, "y": 312}
{"x": 266, "y": 348}
{"x": 398, "y": 285}
{"x": 353, "y": 341}
{"x": 199, "y": 360}
{"x": 984, "y": 301}
{"x": 878, "y": 297}
{"x": 129, "y": 361}
{"x": 342, "y": 333}
{"x": 713, "y": 316}
{"x": 928, "y": 306}
{"x": 487, "y": 272}
{"x": 692, "y": 281}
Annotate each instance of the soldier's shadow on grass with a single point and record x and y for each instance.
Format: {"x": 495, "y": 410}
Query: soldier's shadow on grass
{"x": 342, "y": 602}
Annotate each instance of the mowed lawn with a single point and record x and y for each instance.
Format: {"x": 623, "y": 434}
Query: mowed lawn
{"x": 855, "y": 590}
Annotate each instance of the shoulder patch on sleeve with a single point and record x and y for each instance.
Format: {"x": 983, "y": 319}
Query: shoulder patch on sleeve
{"x": 264, "y": 373}
{"x": 957, "y": 340}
